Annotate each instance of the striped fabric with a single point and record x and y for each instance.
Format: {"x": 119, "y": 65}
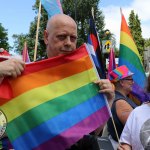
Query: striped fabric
{"x": 119, "y": 73}
{"x": 55, "y": 103}
{"x": 130, "y": 57}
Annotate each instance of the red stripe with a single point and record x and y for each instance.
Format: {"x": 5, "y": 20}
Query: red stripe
{"x": 124, "y": 26}
{"x": 56, "y": 61}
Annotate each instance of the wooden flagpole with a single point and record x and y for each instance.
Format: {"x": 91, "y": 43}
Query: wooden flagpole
{"x": 24, "y": 51}
{"x": 37, "y": 32}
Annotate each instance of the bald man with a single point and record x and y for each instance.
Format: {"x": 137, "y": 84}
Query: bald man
{"x": 60, "y": 38}
{"x": 60, "y": 35}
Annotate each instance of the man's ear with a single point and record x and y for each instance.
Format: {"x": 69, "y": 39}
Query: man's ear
{"x": 121, "y": 82}
{"x": 45, "y": 37}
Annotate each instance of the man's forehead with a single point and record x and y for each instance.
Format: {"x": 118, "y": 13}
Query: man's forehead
{"x": 60, "y": 18}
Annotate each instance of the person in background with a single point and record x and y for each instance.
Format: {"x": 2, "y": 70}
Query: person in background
{"x": 136, "y": 133}
{"x": 122, "y": 106}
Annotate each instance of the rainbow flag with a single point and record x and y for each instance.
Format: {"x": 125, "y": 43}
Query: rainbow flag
{"x": 130, "y": 57}
{"x": 52, "y": 7}
{"x": 54, "y": 103}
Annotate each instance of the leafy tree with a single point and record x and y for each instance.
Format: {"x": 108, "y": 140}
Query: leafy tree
{"x": 147, "y": 42}
{"x": 136, "y": 31}
{"x": 3, "y": 37}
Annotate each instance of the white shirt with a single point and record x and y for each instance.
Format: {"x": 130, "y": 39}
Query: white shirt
{"x": 137, "y": 128}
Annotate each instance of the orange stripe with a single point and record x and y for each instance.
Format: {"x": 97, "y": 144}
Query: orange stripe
{"x": 48, "y": 76}
{"x": 124, "y": 26}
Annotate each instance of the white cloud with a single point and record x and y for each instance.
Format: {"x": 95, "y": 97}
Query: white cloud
{"x": 113, "y": 17}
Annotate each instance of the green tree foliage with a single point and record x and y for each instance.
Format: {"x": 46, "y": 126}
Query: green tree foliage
{"x": 81, "y": 12}
{"x": 136, "y": 31}
{"x": 3, "y": 37}
{"x": 147, "y": 42}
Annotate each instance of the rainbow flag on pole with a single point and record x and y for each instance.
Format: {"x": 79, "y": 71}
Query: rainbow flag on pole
{"x": 54, "y": 103}
{"x": 130, "y": 57}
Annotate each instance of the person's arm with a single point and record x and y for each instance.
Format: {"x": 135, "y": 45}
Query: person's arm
{"x": 124, "y": 146}
{"x": 11, "y": 67}
{"x": 123, "y": 110}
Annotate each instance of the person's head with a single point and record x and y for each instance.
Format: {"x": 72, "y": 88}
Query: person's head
{"x": 60, "y": 35}
{"x": 121, "y": 77}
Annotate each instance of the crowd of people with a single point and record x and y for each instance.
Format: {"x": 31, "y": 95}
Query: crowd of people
{"x": 132, "y": 122}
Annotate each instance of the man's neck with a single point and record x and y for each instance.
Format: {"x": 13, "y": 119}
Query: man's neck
{"x": 122, "y": 92}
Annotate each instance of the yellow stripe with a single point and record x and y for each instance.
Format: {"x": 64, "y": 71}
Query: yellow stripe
{"x": 43, "y": 94}
{"x": 128, "y": 41}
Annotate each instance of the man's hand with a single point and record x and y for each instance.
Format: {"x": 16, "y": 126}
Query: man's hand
{"x": 107, "y": 88}
{"x": 11, "y": 67}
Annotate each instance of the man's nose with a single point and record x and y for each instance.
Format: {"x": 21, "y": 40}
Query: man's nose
{"x": 68, "y": 40}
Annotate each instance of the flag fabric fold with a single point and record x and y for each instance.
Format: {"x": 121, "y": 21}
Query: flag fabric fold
{"x": 130, "y": 57}
{"x": 48, "y": 112}
{"x": 95, "y": 50}
{"x": 52, "y": 7}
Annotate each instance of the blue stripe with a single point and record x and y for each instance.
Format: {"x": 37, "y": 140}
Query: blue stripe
{"x": 59, "y": 124}
{"x": 139, "y": 77}
{"x": 51, "y": 6}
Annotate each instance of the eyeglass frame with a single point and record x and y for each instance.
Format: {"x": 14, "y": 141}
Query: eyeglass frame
{"x": 129, "y": 79}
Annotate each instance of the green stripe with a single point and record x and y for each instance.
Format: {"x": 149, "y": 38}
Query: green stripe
{"x": 127, "y": 54}
{"x": 50, "y": 109}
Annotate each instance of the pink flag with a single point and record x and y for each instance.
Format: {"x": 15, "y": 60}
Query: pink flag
{"x": 112, "y": 63}
{"x": 25, "y": 54}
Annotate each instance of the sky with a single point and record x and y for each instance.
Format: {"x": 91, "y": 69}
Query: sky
{"x": 16, "y": 15}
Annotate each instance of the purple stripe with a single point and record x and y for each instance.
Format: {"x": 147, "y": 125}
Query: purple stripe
{"x": 69, "y": 137}
{"x": 139, "y": 93}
